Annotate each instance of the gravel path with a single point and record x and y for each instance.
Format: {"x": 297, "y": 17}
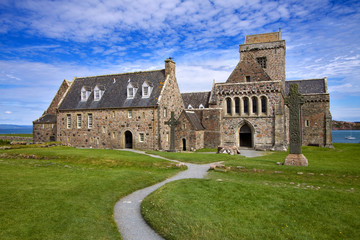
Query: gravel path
{"x": 127, "y": 210}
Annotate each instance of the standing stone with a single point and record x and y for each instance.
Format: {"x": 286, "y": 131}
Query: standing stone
{"x": 172, "y": 123}
{"x": 294, "y": 101}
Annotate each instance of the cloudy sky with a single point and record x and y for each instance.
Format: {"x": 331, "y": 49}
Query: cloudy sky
{"x": 43, "y": 42}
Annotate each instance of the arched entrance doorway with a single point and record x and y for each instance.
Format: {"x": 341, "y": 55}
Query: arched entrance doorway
{"x": 184, "y": 144}
{"x": 128, "y": 139}
{"x": 245, "y": 136}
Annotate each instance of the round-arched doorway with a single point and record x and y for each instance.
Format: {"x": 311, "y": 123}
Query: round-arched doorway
{"x": 245, "y": 136}
{"x": 128, "y": 139}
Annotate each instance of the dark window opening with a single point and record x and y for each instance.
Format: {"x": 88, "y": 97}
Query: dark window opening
{"x": 263, "y": 104}
{"x": 254, "y": 105}
{"x": 248, "y": 79}
{"x": 246, "y": 105}
{"x": 261, "y": 61}
{"x": 237, "y": 105}
{"x": 228, "y": 106}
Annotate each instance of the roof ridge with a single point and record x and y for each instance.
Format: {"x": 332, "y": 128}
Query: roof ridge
{"x": 116, "y": 74}
{"x": 197, "y": 92}
{"x": 305, "y": 79}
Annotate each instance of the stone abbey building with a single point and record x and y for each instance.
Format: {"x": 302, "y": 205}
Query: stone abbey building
{"x": 129, "y": 110}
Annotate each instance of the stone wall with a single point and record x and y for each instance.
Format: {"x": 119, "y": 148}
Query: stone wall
{"x": 185, "y": 131}
{"x": 44, "y": 132}
{"x": 58, "y": 97}
{"x": 170, "y": 100}
{"x": 263, "y": 124}
{"x": 109, "y": 127}
{"x": 313, "y": 117}
{"x": 275, "y": 57}
{"x": 16, "y": 138}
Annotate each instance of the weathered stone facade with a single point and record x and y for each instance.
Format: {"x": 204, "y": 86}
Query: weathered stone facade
{"x": 130, "y": 110}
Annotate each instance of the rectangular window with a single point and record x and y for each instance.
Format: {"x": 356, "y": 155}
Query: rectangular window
{"x": 130, "y": 114}
{"x": 113, "y": 135}
{"x": 104, "y": 129}
{"x": 78, "y": 121}
{"x": 167, "y": 137}
{"x": 165, "y": 112}
{"x": 248, "y": 79}
{"x": 68, "y": 121}
{"x": 146, "y": 91}
{"x": 261, "y": 61}
{"x": 113, "y": 114}
{"x": 83, "y": 96}
{"x": 131, "y": 92}
{"x": 97, "y": 95}
{"x": 90, "y": 120}
{"x": 141, "y": 137}
{"x": 307, "y": 123}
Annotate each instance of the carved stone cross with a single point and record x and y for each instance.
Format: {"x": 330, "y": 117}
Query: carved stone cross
{"x": 294, "y": 101}
{"x": 172, "y": 123}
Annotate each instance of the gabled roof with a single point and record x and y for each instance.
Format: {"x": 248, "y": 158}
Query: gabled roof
{"x": 308, "y": 86}
{"x": 195, "y": 99}
{"x": 115, "y": 94}
{"x": 248, "y": 66}
{"x": 194, "y": 120}
{"x": 46, "y": 118}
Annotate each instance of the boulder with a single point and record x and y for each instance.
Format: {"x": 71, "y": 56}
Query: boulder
{"x": 232, "y": 150}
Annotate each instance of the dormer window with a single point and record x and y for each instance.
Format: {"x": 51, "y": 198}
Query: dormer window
{"x": 201, "y": 106}
{"x": 98, "y": 92}
{"x": 190, "y": 107}
{"x": 131, "y": 91}
{"x": 85, "y": 93}
{"x": 146, "y": 90}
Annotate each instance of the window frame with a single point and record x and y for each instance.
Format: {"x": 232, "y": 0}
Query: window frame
{"x": 68, "y": 121}
{"x": 90, "y": 121}
{"x": 78, "y": 120}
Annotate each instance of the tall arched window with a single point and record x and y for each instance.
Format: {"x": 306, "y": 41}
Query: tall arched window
{"x": 246, "y": 105}
{"x": 237, "y": 105}
{"x": 228, "y": 105}
{"x": 263, "y": 104}
{"x": 254, "y": 104}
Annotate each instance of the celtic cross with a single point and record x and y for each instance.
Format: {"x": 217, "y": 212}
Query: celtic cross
{"x": 294, "y": 101}
{"x": 172, "y": 123}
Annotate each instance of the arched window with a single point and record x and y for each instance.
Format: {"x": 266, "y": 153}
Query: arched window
{"x": 254, "y": 104}
{"x": 263, "y": 104}
{"x": 228, "y": 105}
{"x": 237, "y": 105}
{"x": 246, "y": 105}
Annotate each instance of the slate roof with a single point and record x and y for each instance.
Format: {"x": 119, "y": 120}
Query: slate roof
{"x": 195, "y": 99}
{"x": 115, "y": 91}
{"x": 194, "y": 120}
{"x": 47, "y": 118}
{"x": 308, "y": 86}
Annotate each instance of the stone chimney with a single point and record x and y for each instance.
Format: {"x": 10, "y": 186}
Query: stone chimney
{"x": 169, "y": 67}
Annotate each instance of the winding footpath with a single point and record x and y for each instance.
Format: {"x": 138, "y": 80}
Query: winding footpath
{"x": 127, "y": 213}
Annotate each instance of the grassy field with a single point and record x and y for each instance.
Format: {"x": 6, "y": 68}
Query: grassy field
{"x": 258, "y": 199}
{"x": 197, "y": 157}
{"x": 68, "y": 193}
{"x": 18, "y": 135}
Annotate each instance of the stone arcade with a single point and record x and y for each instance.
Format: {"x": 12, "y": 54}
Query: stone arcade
{"x": 130, "y": 110}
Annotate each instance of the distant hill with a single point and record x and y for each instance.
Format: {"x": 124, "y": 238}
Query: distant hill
{"x": 12, "y": 128}
{"x": 342, "y": 125}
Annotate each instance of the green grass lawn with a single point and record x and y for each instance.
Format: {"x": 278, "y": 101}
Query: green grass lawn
{"x": 197, "y": 157}
{"x": 262, "y": 200}
{"x": 18, "y": 135}
{"x": 68, "y": 193}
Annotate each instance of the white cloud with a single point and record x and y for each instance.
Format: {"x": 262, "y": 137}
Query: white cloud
{"x": 8, "y": 112}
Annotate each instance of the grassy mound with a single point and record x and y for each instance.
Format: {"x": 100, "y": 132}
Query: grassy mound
{"x": 257, "y": 199}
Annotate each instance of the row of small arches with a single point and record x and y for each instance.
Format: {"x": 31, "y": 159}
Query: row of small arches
{"x": 246, "y": 106}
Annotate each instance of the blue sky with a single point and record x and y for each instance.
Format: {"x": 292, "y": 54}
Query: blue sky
{"x": 44, "y": 42}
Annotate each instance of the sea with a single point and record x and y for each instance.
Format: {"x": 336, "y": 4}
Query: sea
{"x": 338, "y": 136}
